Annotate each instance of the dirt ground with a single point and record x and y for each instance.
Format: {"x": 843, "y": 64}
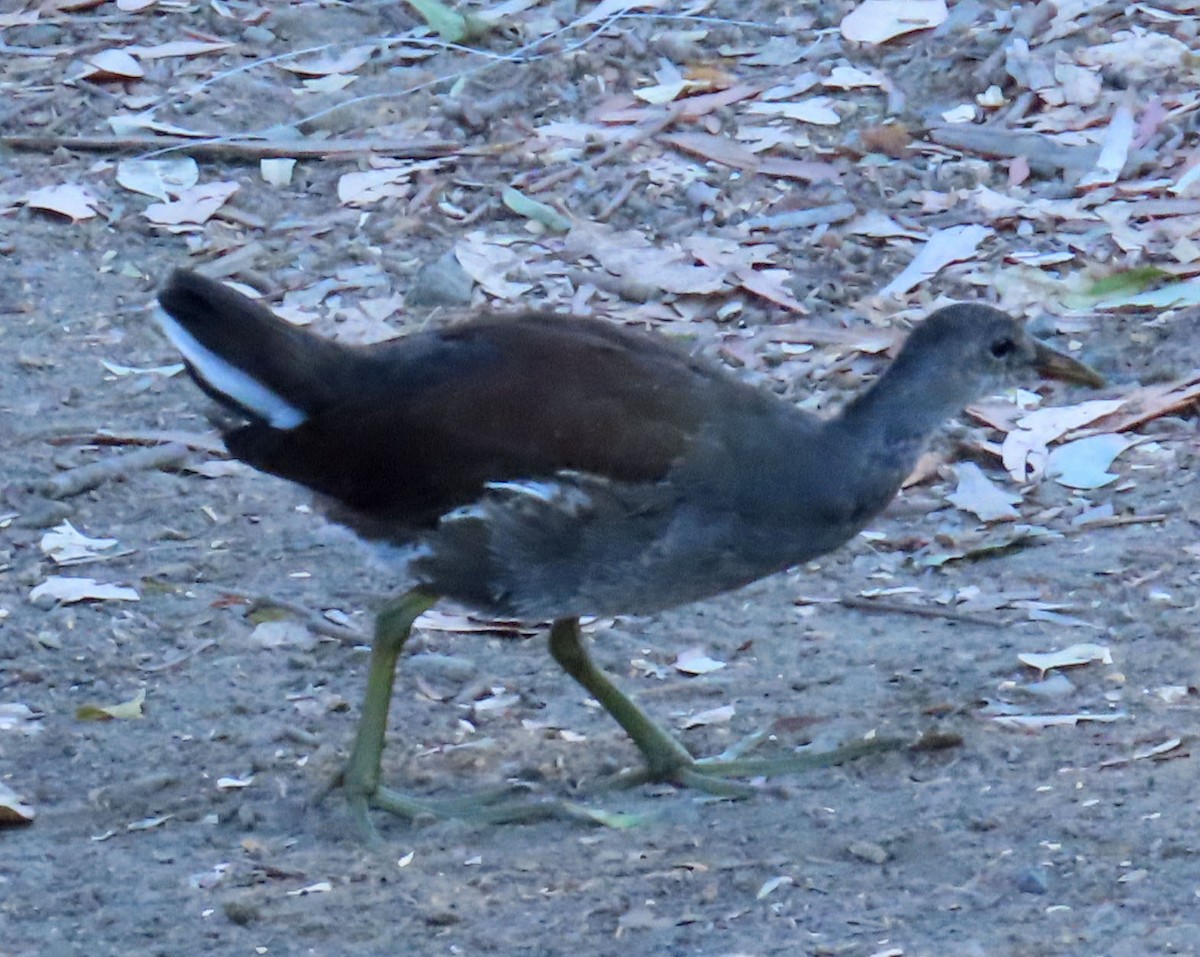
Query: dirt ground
{"x": 192, "y": 831}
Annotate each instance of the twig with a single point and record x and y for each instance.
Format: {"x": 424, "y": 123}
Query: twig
{"x": 113, "y": 469}
{"x": 642, "y": 133}
{"x": 314, "y": 621}
{"x": 1116, "y": 521}
{"x": 921, "y": 611}
{"x": 178, "y": 659}
{"x": 234, "y": 149}
{"x": 618, "y": 201}
{"x": 196, "y": 441}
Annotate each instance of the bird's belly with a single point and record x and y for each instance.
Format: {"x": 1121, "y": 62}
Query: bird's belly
{"x": 592, "y": 549}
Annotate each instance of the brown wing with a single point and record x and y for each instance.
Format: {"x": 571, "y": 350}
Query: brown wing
{"x": 418, "y": 425}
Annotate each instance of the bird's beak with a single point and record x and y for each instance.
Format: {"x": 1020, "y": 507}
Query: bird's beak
{"x": 1058, "y": 365}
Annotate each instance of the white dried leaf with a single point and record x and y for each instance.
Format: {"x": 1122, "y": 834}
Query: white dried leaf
{"x": 773, "y": 885}
{"x": 285, "y": 634}
{"x": 160, "y": 178}
{"x": 950, "y": 245}
{"x": 1036, "y": 722}
{"x": 877, "y": 21}
{"x": 694, "y": 661}
{"x": 67, "y": 199}
{"x": 193, "y": 207}
{"x": 702, "y": 719}
{"x": 817, "y": 110}
{"x": 180, "y": 48}
{"x": 1082, "y": 654}
{"x": 114, "y": 63}
{"x": 1084, "y": 463}
{"x": 66, "y": 545}
{"x": 18, "y": 717}
{"x": 121, "y": 371}
{"x": 277, "y": 170}
{"x": 70, "y": 590}
{"x": 1025, "y": 451}
{"x": 978, "y": 494}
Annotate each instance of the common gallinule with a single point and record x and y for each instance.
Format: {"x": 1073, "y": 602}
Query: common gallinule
{"x": 548, "y": 467}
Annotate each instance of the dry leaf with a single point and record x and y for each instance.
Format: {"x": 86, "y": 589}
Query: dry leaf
{"x": 180, "y": 48}
{"x": 68, "y": 546}
{"x": 488, "y": 263}
{"x": 851, "y": 78}
{"x": 70, "y": 590}
{"x": 976, "y": 493}
{"x": 160, "y": 178}
{"x": 277, "y": 171}
{"x": 110, "y": 65}
{"x": 1025, "y": 451}
{"x": 612, "y": 8}
{"x": 817, "y": 110}
{"x": 1114, "y": 150}
{"x": 284, "y": 634}
{"x": 370, "y": 186}
{"x": 1036, "y": 722}
{"x": 346, "y": 62}
{"x": 67, "y": 199}
{"x": 126, "y": 710}
{"x": 1084, "y": 463}
{"x": 671, "y": 83}
{"x": 946, "y": 246}
{"x": 877, "y": 21}
{"x": 12, "y": 809}
{"x": 720, "y": 715}
{"x": 714, "y": 149}
{"x": 21, "y": 718}
{"x": 1081, "y": 654}
{"x": 694, "y": 661}
{"x": 194, "y": 207}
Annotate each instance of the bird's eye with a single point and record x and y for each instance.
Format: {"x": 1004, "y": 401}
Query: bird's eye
{"x": 1002, "y": 347}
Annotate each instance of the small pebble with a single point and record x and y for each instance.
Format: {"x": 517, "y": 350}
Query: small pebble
{"x": 242, "y": 912}
{"x": 869, "y": 851}
{"x": 1032, "y": 880}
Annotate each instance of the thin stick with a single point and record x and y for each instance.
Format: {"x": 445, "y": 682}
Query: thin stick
{"x": 921, "y": 611}
{"x": 197, "y": 441}
{"x": 114, "y": 469}
{"x": 618, "y": 201}
{"x": 178, "y": 659}
{"x": 1116, "y": 521}
{"x": 234, "y": 149}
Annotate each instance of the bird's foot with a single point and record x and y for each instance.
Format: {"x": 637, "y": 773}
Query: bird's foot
{"x": 713, "y": 775}
{"x": 496, "y": 806}
{"x": 732, "y": 765}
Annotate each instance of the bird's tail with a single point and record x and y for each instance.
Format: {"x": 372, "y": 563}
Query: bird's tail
{"x": 248, "y": 358}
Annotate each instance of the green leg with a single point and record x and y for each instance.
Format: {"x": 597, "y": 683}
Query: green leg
{"x": 663, "y": 754}
{"x": 665, "y": 758}
{"x": 361, "y": 775}
{"x": 360, "y": 778}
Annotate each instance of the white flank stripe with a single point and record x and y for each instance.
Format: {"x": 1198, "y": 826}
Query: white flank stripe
{"x": 229, "y": 380}
{"x": 543, "y": 491}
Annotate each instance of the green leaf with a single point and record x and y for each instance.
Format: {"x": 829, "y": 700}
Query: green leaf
{"x": 522, "y": 205}
{"x": 107, "y": 712}
{"x": 1128, "y": 281}
{"x": 265, "y": 613}
{"x": 451, "y": 26}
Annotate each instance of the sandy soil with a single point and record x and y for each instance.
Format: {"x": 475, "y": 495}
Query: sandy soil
{"x": 191, "y": 831}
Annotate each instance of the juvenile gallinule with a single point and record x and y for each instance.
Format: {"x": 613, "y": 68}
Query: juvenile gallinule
{"x": 547, "y": 467}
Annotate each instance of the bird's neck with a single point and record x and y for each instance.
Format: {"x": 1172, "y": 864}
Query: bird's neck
{"x": 895, "y": 417}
